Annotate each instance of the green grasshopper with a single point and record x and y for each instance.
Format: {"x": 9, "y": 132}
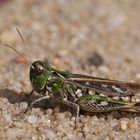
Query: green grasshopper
{"x": 79, "y": 91}
{"x": 82, "y": 92}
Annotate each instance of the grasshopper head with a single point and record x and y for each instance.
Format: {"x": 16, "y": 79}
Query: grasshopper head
{"x": 39, "y": 74}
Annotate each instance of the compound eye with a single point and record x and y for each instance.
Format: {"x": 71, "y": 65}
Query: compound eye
{"x": 39, "y": 68}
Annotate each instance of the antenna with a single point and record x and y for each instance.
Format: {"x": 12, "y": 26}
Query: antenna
{"x": 20, "y": 35}
{"x": 12, "y": 48}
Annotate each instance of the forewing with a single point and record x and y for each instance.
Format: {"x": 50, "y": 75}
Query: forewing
{"x": 104, "y": 86}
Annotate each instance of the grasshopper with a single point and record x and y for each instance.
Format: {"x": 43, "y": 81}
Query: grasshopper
{"x": 80, "y": 91}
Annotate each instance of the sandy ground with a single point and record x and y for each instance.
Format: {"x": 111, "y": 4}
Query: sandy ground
{"x": 94, "y": 37}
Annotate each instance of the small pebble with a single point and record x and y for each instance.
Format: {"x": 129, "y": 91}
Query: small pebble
{"x": 130, "y": 124}
{"x": 60, "y": 116}
{"x": 49, "y": 111}
{"x": 23, "y": 105}
{"x": 56, "y": 109}
{"x": 68, "y": 114}
{"x": 86, "y": 130}
{"x": 70, "y": 136}
{"x": 7, "y": 116}
{"x": 123, "y": 125}
{"x": 50, "y": 134}
{"x": 31, "y": 119}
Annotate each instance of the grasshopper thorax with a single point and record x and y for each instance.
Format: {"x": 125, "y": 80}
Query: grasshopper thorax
{"x": 39, "y": 74}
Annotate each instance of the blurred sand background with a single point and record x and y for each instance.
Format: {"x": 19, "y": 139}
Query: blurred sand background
{"x": 93, "y": 37}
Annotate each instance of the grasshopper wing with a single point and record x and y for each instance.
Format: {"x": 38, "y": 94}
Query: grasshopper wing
{"x": 104, "y": 86}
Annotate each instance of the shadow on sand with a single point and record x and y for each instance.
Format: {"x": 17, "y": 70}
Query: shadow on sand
{"x": 15, "y": 97}
{"x": 18, "y": 97}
